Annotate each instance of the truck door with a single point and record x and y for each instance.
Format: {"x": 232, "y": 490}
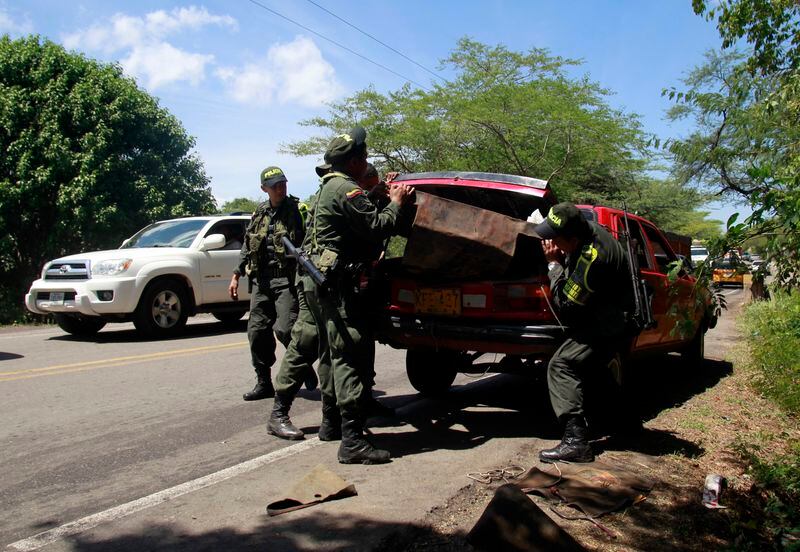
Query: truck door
{"x": 656, "y": 281}
{"x": 676, "y": 297}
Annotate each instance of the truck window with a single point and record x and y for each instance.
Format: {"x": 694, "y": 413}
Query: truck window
{"x": 662, "y": 251}
{"x": 642, "y": 256}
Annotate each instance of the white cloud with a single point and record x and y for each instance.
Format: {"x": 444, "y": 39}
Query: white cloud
{"x": 13, "y": 27}
{"x": 150, "y": 57}
{"x": 294, "y": 72}
{"x": 162, "y": 63}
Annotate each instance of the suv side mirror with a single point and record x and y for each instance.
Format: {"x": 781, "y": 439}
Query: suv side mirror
{"x": 214, "y": 241}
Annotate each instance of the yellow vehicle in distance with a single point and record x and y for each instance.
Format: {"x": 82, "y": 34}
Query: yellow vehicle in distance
{"x": 729, "y": 271}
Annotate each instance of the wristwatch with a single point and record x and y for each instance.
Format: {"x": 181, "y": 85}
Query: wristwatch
{"x": 551, "y": 265}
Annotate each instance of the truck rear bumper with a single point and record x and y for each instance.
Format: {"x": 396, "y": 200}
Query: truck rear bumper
{"x": 407, "y": 332}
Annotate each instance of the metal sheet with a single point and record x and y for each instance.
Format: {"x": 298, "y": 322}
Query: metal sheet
{"x": 450, "y": 239}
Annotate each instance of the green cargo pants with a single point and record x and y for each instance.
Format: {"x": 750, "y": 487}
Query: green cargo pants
{"x": 346, "y": 351}
{"x": 577, "y": 360}
{"x": 302, "y": 351}
{"x": 273, "y": 308}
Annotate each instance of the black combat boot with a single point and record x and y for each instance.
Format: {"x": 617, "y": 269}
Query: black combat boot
{"x": 279, "y": 423}
{"x": 574, "y": 447}
{"x": 331, "y": 427}
{"x": 262, "y": 390}
{"x": 311, "y": 380}
{"x": 355, "y": 449}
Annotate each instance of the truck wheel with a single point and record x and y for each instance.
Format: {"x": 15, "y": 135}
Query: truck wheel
{"x": 432, "y": 372}
{"x": 229, "y": 317}
{"x": 163, "y": 309}
{"x": 618, "y": 367}
{"x": 695, "y": 351}
{"x": 79, "y": 325}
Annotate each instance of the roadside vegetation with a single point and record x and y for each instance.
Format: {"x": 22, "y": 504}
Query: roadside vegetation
{"x": 773, "y": 334}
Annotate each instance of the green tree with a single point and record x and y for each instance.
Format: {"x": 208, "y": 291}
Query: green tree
{"x": 747, "y": 113}
{"x": 505, "y": 112}
{"x": 239, "y": 204}
{"x": 87, "y": 159}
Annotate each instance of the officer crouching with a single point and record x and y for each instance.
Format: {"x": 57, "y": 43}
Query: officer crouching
{"x": 590, "y": 285}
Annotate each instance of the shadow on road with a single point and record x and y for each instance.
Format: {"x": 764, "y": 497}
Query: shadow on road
{"x": 9, "y": 356}
{"x": 191, "y": 331}
{"x": 518, "y": 406}
{"x": 320, "y": 531}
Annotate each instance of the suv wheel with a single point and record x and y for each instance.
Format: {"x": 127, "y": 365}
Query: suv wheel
{"x": 163, "y": 309}
{"x": 229, "y": 317}
{"x": 79, "y": 325}
{"x": 432, "y": 372}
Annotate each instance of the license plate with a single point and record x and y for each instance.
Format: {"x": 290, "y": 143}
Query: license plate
{"x": 57, "y": 296}
{"x": 438, "y": 301}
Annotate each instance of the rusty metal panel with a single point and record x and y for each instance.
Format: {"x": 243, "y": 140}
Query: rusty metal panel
{"x": 450, "y": 239}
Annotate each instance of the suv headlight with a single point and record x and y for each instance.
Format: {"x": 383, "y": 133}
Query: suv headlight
{"x": 111, "y": 267}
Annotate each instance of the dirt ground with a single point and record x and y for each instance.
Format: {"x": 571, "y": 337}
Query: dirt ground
{"x": 694, "y": 424}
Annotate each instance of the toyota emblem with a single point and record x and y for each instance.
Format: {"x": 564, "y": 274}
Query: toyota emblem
{"x": 64, "y": 269}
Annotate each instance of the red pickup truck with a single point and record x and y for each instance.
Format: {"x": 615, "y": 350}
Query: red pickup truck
{"x": 447, "y": 322}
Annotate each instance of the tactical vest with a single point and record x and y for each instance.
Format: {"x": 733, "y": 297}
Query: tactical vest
{"x": 266, "y": 253}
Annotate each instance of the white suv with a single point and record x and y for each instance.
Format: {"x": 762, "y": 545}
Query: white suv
{"x": 164, "y": 273}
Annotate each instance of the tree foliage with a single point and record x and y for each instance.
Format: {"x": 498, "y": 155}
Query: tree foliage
{"x": 507, "y": 112}
{"x": 87, "y": 159}
{"x": 747, "y": 113}
{"x": 239, "y": 204}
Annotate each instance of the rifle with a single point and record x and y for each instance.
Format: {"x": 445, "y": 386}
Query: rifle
{"x": 303, "y": 260}
{"x": 643, "y": 312}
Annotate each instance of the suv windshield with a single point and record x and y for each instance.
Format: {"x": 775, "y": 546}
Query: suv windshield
{"x": 173, "y": 233}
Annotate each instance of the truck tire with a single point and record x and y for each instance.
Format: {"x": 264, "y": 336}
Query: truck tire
{"x": 229, "y": 317}
{"x": 432, "y": 372}
{"x": 80, "y": 325}
{"x": 695, "y": 351}
{"x": 163, "y": 309}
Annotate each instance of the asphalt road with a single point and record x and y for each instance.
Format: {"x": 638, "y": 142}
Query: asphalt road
{"x": 124, "y": 444}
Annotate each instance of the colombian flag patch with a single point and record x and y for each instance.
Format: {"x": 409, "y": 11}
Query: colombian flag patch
{"x": 354, "y": 193}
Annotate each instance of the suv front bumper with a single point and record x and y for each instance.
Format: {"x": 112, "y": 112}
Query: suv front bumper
{"x": 408, "y": 332}
{"x": 81, "y": 297}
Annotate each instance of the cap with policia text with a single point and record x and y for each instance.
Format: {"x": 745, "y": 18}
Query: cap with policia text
{"x": 271, "y": 176}
{"x": 342, "y": 146}
{"x": 564, "y": 220}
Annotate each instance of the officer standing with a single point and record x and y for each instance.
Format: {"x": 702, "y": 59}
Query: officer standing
{"x": 273, "y": 299}
{"x": 591, "y": 289}
{"x": 303, "y": 350}
{"x": 343, "y": 232}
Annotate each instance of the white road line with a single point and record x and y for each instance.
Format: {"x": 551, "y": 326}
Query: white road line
{"x": 74, "y": 527}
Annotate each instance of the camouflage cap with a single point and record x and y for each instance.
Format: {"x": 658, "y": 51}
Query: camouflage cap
{"x": 271, "y": 176}
{"x": 342, "y": 146}
{"x": 564, "y": 220}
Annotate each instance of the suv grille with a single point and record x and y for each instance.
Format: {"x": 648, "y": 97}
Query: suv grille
{"x": 67, "y": 270}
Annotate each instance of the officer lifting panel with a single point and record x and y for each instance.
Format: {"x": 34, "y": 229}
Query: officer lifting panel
{"x": 450, "y": 239}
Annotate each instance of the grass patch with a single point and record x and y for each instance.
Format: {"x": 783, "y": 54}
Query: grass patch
{"x": 772, "y": 329}
{"x": 773, "y": 332}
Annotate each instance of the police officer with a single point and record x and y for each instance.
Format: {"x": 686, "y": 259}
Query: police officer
{"x": 273, "y": 299}
{"x": 303, "y": 350}
{"x": 591, "y": 290}
{"x": 343, "y": 233}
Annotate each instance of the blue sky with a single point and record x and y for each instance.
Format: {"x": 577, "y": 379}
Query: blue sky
{"x": 241, "y": 78}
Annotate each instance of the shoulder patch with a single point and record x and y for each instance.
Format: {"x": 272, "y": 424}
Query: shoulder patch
{"x": 352, "y": 194}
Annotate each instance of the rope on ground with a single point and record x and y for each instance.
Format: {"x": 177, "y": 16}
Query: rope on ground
{"x": 509, "y": 472}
